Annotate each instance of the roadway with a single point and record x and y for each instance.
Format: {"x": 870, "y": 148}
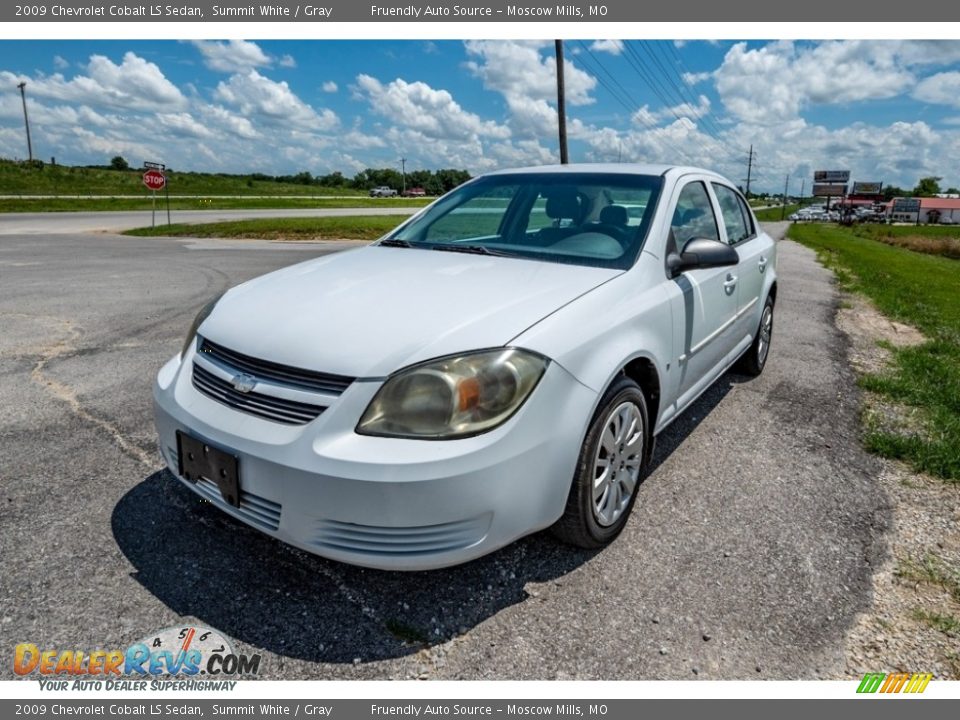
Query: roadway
{"x": 749, "y": 553}
{"x": 74, "y": 222}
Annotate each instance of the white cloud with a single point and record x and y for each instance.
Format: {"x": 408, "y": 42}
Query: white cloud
{"x": 229, "y": 122}
{"x": 60, "y": 63}
{"x": 287, "y": 61}
{"x": 614, "y": 47}
{"x": 527, "y": 81}
{"x": 134, "y": 84}
{"x": 686, "y": 110}
{"x": 329, "y": 86}
{"x": 775, "y": 82}
{"x": 268, "y": 101}
{"x": 691, "y": 78}
{"x": 941, "y": 89}
{"x": 433, "y": 113}
{"x": 232, "y": 56}
{"x": 183, "y": 124}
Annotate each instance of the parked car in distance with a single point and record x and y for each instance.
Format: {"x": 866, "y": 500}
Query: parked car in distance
{"x": 383, "y": 191}
{"x": 500, "y": 363}
{"x": 947, "y": 220}
{"x": 415, "y": 192}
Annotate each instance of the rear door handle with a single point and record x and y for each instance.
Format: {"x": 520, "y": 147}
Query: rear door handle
{"x": 762, "y": 264}
{"x": 730, "y": 283}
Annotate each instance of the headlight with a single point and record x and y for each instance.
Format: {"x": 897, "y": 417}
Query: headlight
{"x": 197, "y": 322}
{"x": 454, "y": 396}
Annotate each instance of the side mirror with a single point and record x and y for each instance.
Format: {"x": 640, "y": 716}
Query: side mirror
{"x": 702, "y": 253}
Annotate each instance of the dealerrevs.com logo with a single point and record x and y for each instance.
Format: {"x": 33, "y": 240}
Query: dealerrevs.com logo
{"x": 909, "y": 683}
{"x": 187, "y": 653}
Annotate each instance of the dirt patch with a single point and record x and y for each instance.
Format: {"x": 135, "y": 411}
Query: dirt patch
{"x": 913, "y": 624}
{"x": 867, "y": 327}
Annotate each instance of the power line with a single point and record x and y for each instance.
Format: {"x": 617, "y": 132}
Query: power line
{"x": 649, "y": 77}
{"x": 624, "y": 98}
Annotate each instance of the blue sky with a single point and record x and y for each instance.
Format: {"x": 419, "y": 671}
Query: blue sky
{"x": 887, "y": 110}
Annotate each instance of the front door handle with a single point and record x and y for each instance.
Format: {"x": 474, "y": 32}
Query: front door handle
{"x": 762, "y": 264}
{"x": 730, "y": 283}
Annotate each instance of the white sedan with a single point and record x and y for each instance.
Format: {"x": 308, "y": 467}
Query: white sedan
{"x": 500, "y": 363}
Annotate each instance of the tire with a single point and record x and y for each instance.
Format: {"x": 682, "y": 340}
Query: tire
{"x": 754, "y": 359}
{"x": 593, "y": 519}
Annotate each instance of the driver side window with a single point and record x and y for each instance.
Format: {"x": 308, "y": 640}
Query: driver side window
{"x": 692, "y": 218}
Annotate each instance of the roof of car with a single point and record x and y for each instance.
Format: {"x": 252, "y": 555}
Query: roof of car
{"x": 612, "y": 168}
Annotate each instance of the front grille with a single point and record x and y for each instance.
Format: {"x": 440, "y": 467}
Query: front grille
{"x": 423, "y": 540}
{"x": 257, "y": 510}
{"x": 275, "y": 372}
{"x": 269, "y": 407}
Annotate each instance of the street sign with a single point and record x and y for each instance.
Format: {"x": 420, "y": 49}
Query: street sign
{"x": 154, "y": 179}
{"x": 831, "y": 176}
{"x": 825, "y": 190}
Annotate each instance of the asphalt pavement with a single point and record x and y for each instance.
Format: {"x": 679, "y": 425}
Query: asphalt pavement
{"x": 42, "y": 223}
{"x": 748, "y": 554}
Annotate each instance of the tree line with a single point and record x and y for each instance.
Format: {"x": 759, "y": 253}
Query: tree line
{"x": 433, "y": 182}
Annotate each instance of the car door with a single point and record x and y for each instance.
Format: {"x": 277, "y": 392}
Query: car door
{"x": 704, "y": 301}
{"x": 754, "y": 250}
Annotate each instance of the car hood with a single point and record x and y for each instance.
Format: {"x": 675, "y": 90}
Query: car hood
{"x": 374, "y": 310}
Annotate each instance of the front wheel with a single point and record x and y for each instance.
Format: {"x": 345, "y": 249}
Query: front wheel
{"x": 612, "y": 464}
{"x": 755, "y": 358}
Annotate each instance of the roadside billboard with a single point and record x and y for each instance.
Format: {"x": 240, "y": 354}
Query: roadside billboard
{"x": 827, "y": 190}
{"x": 867, "y": 188}
{"x": 831, "y": 176}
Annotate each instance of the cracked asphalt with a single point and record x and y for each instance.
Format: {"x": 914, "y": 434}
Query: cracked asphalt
{"x": 748, "y": 555}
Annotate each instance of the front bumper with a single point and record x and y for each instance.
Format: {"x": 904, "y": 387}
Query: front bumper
{"x": 386, "y": 503}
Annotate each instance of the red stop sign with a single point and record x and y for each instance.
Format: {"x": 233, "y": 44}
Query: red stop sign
{"x": 154, "y": 179}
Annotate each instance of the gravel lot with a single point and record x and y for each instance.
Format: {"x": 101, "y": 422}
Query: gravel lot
{"x": 749, "y": 553}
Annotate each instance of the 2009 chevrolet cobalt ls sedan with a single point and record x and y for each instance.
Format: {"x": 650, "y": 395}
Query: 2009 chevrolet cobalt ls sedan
{"x": 499, "y": 364}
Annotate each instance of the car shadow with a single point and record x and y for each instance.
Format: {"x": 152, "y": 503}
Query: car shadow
{"x": 201, "y": 563}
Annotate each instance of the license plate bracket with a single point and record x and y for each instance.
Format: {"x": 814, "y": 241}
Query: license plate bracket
{"x": 198, "y": 459}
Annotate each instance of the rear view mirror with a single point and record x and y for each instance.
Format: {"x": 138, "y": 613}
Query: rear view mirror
{"x": 702, "y": 253}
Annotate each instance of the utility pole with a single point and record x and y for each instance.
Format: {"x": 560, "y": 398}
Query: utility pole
{"x": 26, "y": 120}
{"x": 749, "y": 170}
{"x": 783, "y": 209}
{"x": 403, "y": 165}
{"x": 561, "y": 104}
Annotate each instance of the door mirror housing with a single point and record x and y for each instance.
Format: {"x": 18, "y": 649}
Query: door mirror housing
{"x": 702, "y": 253}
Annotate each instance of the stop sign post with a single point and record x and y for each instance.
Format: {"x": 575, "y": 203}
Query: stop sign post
{"x": 155, "y": 179}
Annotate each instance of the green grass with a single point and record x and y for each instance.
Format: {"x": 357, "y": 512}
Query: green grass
{"x": 947, "y": 624}
{"x": 773, "y": 214}
{"x": 362, "y": 227}
{"x": 21, "y": 179}
{"x": 933, "y": 571}
{"x": 238, "y": 203}
{"x": 921, "y": 290}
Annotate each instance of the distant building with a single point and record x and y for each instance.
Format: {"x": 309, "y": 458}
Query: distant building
{"x": 931, "y": 210}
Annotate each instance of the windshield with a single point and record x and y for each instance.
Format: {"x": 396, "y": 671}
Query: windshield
{"x": 597, "y": 219}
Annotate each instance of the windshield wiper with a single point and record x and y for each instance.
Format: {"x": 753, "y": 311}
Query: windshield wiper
{"x": 472, "y": 249}
{"x": 394, "y": 242}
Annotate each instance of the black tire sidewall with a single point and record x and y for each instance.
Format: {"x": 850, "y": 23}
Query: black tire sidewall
{"x": 624, "y": 389}
{"x": 757, "y": 362}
